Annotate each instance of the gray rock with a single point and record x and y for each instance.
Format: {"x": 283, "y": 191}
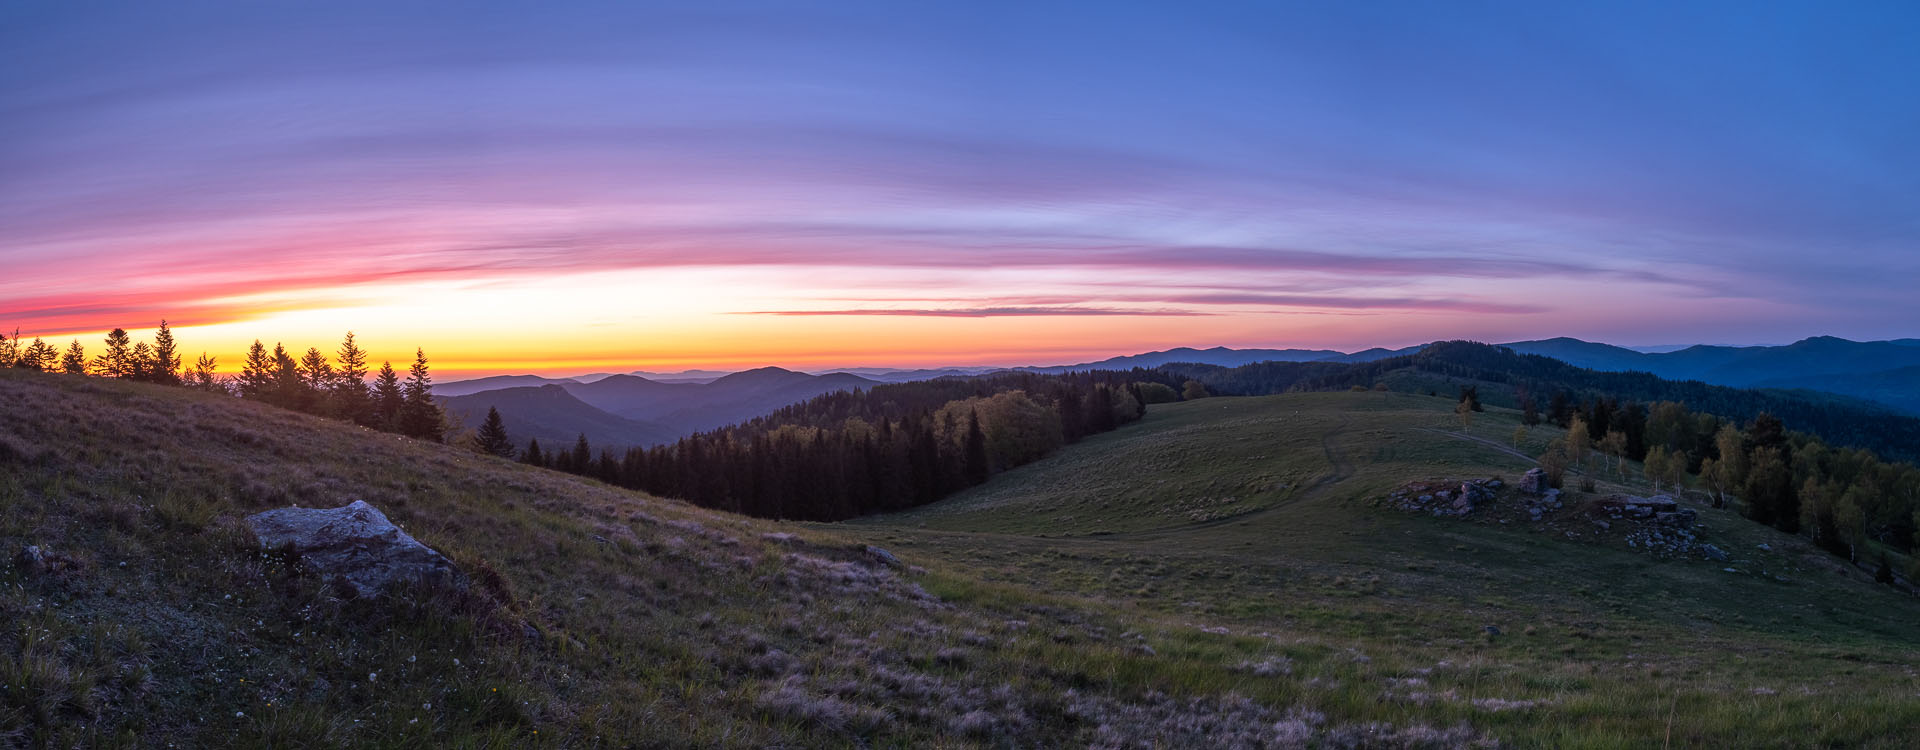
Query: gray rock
{"x": 1713, "y": 553}
{"x": 355, "y": 543}
{"x": 1535, "y": 481}
{"x": 884, "y": 557}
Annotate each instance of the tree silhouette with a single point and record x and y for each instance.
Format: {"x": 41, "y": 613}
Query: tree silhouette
{"x": 164, "y": 364}
{"x": 289, "y": 386}
{"x": 316, "y": 373}
{"x": 532, "y": 456}
{"x": 201, "y": 376}
{"x": 38, "y": 356}
{"x": 352, "y": 398}
{"x": 74, "y": 362}
{"x": 113, "y": 362}
{"x": 976, "y": 460}
{"x": 492, "y": 436}
{"x": 9, "y": 348}
{"x": 256, "y": 375}
{"x": 420, "y": 417}
{"x": 388, "y": 397}
{"x": 140, "y": 364}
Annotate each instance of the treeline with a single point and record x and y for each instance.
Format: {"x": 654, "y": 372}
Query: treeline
{"x": 1837, "y": 420}
{"x": 314, "y": 383}
{"x": 886, "y": 448}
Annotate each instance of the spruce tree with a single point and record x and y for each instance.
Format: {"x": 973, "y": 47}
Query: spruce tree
{"x": 201, "y": 376}
{"x": 532, "y": 456}
{"x": 140, "y": 364}
{"x": 581, "y": 461}
{"x": 289, "y": 387}
{"x": 256, "y": 376}
{"x": 39, "y": 356}
{"x": 315, "y": 371}
{"x": 351, "y": 396}
{"x": 164, "y": 364}
{"x": 492, "y": 436}
{"x": 976, "y": 458}
{"x": 74, "y": 362}
{"x": 113, "y": 363}
{"x": 388, "y": 398}
{"x": 420, "y": 417}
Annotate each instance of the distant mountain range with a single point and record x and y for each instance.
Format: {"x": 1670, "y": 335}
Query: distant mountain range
{"x": 646, "y": 408}
{"x": 619, "y": 411}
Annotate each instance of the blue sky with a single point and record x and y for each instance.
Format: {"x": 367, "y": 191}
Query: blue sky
{"x": 1115, "y": 176}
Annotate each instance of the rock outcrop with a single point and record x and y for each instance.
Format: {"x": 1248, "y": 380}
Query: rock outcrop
{"x": 1535, "y": 481}
{"x": 355, "y": 543}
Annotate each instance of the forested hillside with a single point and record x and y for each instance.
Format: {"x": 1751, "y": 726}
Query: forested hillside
{"x": 857, "y": 452}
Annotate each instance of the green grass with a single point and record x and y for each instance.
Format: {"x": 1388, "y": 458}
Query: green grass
{"x": 1217, "y": 574}
{"x": 1613, "y": 640}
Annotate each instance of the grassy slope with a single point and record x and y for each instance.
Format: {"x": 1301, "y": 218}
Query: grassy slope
{"x": 1257, "y": 515}
{"x": 599, "y": 618}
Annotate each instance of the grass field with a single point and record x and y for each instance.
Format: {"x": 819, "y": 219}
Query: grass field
{"x": 1216, "y": 576}
{"x": 1259, "y": 516}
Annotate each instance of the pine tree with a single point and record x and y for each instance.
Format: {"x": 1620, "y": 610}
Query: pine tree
{"x": 976, "y": 459}
{"x": 532, "y": 456}
{"x": 420, "y": 417}
{"x": 201, "y": 376}
{"x": 164, "y": 364}
{"x": 140, "y": 364}
{"x": 581, "y": 461}
{"x": 289, "y": 387}
{"x": 352, "y": 398}
{"x": 256, "y": 376}
{"x": 113, "y": 363}
{"x": 388, "y": 397}
{"x": 39, "y": 356}
{"x": 316, "y": 373}
{"x": 9, "y": 348}
{"x": 492, "y": 436}
{"x": 74, "y": 362}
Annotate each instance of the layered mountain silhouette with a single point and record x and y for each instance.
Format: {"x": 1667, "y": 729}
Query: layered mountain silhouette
{"x": 629, "y": 410}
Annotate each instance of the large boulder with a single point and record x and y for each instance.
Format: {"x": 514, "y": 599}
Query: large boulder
{"x": 355, "y": 543}
{"x": 1534, "y": 482}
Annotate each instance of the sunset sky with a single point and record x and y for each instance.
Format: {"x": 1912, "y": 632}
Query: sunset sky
{"x": 521, "y": 188}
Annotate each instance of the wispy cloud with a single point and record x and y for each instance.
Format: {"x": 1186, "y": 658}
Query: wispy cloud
{"x": 982, "y": 312}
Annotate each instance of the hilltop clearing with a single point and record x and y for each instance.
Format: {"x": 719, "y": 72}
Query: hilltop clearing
{"x": 147, "y": 615}
{"x": 1276, "y": 518}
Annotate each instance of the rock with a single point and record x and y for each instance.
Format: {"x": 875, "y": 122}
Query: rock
{"x": 1492, "y": 630}
{"x": 1494, "y": 484}
{"x": 1762, "y": 545}
{"x": 1444, "y": 495}
{"x": 1713, "y": 553}
{"x": 884, "y": 557}
{"x": 355, "y": 543}
{"x": 1603, "y": 524}
{"x": 1535, "y": 481}
{"x": 1426, "y": 498}
{"x": 37, "y": 560}
{"x": 1682, "y": 518}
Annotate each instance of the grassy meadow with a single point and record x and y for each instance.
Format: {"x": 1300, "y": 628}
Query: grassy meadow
{"x": 1219, "y": 575}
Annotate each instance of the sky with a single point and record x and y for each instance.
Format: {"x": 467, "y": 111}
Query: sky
{"x": 571, "y": 187}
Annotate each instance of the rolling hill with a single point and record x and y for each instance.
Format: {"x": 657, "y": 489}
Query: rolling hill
{"x": 496, "y": 382}
{"x": 1219, "y": 575}
{"x": 1269, "y": 518}
{"x": 1806, "y": 361}
{"x": 628, "y": 410}
{"x": 555, "y": 417}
